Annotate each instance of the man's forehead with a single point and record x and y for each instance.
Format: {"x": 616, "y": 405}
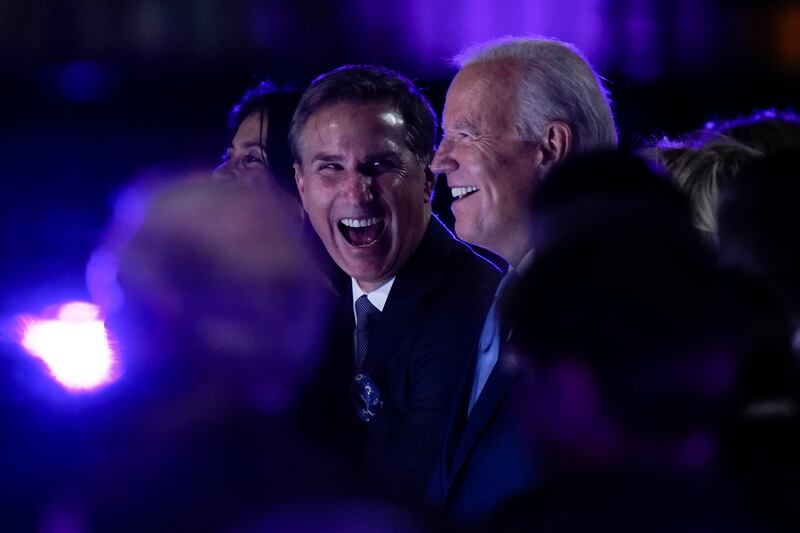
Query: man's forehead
{"x": 368, "y": 127}
{"x": 490, "y": 79}
{"x": 345, "y": 117}
{"x": 345, "y": 111}
{"x": 482, "y": 92}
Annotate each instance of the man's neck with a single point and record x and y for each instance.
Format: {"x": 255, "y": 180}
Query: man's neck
{"x": 369, "y": 286}
{"x": 515, "y": 248}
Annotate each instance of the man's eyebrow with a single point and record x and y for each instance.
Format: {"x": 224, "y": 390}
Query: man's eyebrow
{"x": 465, "y": 125}
{"x": 381, "y": 155}
{"x": 322, "y": 156}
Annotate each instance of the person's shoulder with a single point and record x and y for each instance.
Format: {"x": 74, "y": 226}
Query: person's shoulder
{"x": 469, "y": 280}
{"x": 464, "y": 258}
{"x": 445, "y": 268}
{"x": 468, "y": 266}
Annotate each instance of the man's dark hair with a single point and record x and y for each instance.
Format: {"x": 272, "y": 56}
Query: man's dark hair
{"x": 366, "y": 84}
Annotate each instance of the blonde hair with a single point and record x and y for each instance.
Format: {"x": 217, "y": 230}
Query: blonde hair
{"x": 702, "y": 168}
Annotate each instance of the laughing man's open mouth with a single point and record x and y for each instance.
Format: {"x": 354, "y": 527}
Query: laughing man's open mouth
{"x": 361, "y": 232}
{"x": 462, "y": 192}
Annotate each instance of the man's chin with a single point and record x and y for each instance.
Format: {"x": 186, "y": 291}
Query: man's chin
{"x": 466, "y": 232}
{"x": 366, "y": 272}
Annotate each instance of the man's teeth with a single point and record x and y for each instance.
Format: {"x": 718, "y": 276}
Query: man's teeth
{"x": 359, "y": 222}
{"x": 459, "y": 192}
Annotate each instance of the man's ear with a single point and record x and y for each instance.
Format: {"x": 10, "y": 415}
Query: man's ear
{"x": 430, "y": 184}
{"x": 556, "y": 144}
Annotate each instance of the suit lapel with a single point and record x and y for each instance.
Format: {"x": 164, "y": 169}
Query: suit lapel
{"x": 407, "y": 300}
{"x": 494, "y": 393}
{"x": 346, "y": 320}
{"x": 455, "y": 428}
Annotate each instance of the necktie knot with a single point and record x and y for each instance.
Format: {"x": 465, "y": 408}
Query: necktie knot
{"x": 365, "y": 312}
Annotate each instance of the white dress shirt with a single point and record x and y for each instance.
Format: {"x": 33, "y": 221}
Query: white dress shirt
{"x": 377, "y": 297}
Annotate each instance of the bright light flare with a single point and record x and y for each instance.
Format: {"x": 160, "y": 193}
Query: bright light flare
{"x": 74, "y": 344}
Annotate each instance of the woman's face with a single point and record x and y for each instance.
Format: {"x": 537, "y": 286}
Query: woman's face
{"x": 245, "y": 160}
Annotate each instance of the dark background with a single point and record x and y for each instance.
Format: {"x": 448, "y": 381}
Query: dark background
{"x": 95, "y": 92}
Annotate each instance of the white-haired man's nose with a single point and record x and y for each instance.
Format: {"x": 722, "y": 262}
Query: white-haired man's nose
{"x": 443, "y": 162}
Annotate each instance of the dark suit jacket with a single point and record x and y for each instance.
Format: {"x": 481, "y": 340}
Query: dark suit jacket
{"x": 418, "y": 352}
{"x": 486, "y": 457}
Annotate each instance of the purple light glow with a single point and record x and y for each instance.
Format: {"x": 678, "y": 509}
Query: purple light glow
{"x": 634, "y": 38}
{"x": 642, "y": 41}
{"x": 437, "y": 30}
{"x": 73, "y": 344}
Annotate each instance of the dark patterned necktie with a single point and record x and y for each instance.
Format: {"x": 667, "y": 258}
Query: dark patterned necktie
{"x": 366, "y": 313}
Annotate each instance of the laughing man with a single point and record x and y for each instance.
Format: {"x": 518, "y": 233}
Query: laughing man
{"x": 414, "y": 296}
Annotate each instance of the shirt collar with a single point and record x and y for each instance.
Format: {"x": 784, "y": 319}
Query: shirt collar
{"x": 377, "y": 297}
{"x": 525, "y": 263}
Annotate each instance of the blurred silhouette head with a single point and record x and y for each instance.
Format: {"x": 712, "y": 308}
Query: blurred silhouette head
{"x": 622, "y": 322}
{"x": 217, "y": 287}
{"x": 607, "y": 189}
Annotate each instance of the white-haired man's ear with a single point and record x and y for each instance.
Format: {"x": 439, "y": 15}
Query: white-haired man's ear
{"x": 556, "y": 144}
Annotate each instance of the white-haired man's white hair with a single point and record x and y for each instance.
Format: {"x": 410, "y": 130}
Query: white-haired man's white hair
{"x": 557, "y": 84}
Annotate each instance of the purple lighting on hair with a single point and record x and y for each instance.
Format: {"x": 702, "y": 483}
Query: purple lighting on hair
{"x": 439, "y": 29}
{"x": 73, "y": 344}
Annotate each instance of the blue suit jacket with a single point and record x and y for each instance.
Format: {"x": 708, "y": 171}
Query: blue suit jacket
{"x": 485, "y": 458}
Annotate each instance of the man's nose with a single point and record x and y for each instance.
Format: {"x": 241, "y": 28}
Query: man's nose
{"x": 358, "y": 187}
{"x": 443, "y": 162}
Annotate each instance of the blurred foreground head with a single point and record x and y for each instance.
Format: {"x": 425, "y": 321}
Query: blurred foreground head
{"x": 214, "y": 287}
{"x": 624, "y": 322}
{"x": 221, "y": 316}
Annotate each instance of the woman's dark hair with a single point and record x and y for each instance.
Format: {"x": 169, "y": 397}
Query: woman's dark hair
{"x": 276, "y": 105}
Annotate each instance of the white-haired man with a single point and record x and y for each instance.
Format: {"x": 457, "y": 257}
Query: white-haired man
{"x": 515, "y": 110}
